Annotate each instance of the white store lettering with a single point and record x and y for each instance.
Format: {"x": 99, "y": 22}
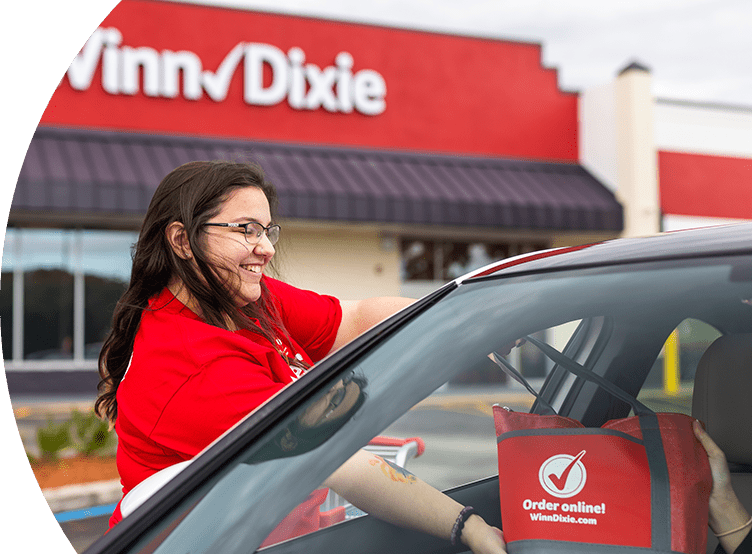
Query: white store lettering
{"x": 126, "y": 70}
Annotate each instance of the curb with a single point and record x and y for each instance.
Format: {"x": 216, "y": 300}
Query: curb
{"x": 77, "y": 497}
{"x": 23, "y": 410}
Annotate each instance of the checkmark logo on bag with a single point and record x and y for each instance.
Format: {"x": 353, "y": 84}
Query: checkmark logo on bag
{"x": 563, "y": 475}
{"x": 561, "y": 481}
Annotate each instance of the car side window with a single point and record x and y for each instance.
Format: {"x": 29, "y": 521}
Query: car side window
{"x": 670, "y": 383}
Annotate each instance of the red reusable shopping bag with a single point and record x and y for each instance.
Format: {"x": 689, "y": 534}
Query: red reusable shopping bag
{"x": 636, "y": 484}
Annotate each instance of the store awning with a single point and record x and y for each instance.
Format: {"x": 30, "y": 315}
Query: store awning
{"x": 86, "y": 173}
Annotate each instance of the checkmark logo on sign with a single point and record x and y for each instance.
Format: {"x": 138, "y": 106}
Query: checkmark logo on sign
{"x": 563, "y": 475}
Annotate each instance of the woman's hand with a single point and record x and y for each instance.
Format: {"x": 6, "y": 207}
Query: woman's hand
{"x": 391, "y": 493}
{"x": 726, "y": 511}
{"x": 481, "y": 537}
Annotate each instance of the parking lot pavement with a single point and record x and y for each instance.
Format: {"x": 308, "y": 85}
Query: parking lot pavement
{"x": 477, "y": 400}
{"x": 83, "y": 532}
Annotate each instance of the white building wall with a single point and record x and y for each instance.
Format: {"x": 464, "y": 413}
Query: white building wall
{"x": 597, "y": 140}
{"x": 345, "y": 261}
{"x": 703, "y": 128}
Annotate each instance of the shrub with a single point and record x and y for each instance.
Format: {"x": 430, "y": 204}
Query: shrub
{"x": 53, "y": 438}
{"x": 92, "y": 435}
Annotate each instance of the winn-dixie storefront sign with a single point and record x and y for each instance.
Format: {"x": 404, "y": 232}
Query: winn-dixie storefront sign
{"x": 166, "y": 67}
{"x": 169, "y": 74}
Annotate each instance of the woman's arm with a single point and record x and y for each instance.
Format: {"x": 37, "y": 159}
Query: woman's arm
{"x": 360, "y": 315}
{"x": 726, "y": 511}
{"x": 393, "y": 494}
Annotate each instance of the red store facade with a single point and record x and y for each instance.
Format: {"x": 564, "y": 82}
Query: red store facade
{"x": 402, "y": 159}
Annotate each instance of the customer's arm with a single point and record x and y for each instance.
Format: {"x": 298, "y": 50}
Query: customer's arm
{"x": 728, "y": 518}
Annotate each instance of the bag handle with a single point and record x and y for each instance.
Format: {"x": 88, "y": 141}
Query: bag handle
{"x": 517, "y": 376}
{"x": 584, "y": 373}
{"x": 574, "y": 368}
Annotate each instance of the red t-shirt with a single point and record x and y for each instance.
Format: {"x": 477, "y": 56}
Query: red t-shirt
{"x": 188, "y": 381}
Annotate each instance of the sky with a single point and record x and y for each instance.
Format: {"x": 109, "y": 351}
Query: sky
{"x": 698, "y": 50}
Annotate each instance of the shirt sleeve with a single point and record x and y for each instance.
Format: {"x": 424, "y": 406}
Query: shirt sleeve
{"x": 312, "y": 319}
{"x": 744, "y": 548}
{"x": 213, "y": 400}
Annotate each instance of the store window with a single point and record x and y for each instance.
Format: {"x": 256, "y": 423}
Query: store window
{"x": 427, "y": 264}
{"x": 430, "y": 260}
{"x": 107, "y": 267}
{"x": 47, "y": 258}
{"x": 6, "y": 312}
{"x": 59, "y": 288}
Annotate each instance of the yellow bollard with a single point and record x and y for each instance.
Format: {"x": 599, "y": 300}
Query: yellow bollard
{"x": 671, "y": 364}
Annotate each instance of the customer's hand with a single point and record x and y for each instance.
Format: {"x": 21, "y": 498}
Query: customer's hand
{"x": 722, "y": 490}
{"x": 726, "y": 511}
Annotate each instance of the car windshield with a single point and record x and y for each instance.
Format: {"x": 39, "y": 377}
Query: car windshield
{"x": 614, "y": 320}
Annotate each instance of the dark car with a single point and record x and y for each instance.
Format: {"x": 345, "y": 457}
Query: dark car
{"x": 641, "y": 312}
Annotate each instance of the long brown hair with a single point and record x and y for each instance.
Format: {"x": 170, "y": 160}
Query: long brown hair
{"x": 190, "y": 194}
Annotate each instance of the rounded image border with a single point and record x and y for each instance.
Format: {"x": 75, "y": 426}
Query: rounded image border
{"x": 39, "y": 45}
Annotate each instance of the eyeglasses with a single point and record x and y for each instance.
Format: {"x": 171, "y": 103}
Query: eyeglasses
{"x": 253, "y": 231}
{"x": 335, "y": 401}
{"x": 338, "y": 396}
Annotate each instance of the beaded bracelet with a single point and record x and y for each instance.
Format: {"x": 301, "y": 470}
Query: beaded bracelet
{"x": 749, "y": 522}
{"x": 459, "y": 523}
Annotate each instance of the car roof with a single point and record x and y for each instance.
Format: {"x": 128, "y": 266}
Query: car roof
{"x": 692, "y": 243}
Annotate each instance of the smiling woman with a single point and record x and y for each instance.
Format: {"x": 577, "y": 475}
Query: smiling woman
{"x": 239, "y": 257}
{"x": 205, "y": 337}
